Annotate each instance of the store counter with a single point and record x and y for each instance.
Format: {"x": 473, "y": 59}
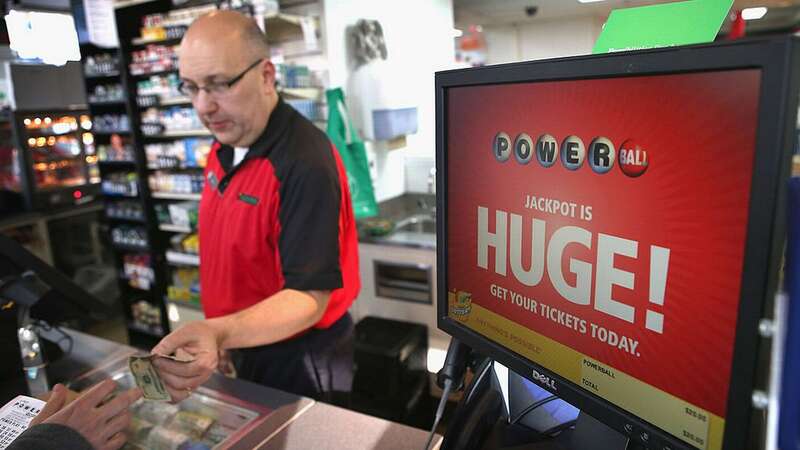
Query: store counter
{"x": 231, "y": 413}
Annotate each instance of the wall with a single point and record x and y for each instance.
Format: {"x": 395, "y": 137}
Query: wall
{"x": 419, "y": 42}
{"x": 540, "y": 40}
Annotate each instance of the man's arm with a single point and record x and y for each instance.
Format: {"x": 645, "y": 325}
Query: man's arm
{"x": 273, "y": 319}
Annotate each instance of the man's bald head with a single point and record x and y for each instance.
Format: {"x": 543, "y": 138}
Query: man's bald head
{"x": 228, "y": 30}
{"x": 224, "y": 58}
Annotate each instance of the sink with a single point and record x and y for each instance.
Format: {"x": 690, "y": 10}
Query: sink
{"x": 419, "y": 223}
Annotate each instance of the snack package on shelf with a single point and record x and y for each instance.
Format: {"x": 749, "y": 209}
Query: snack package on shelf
{"x": 185, "y": 285}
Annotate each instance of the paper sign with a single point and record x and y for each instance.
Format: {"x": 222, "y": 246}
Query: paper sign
{"x": 664, "y": 25}
{"x": 15, "y": 417}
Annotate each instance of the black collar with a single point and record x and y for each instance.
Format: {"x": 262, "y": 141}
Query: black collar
{"x": 273, "y": 133}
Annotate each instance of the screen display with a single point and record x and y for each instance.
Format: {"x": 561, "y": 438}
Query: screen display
{"x": 597, "y": 228}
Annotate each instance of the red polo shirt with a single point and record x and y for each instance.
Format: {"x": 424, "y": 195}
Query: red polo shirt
{"x": 281, "y": 219}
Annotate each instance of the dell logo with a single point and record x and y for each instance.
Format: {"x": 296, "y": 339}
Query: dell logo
{"x": 544, "y": 379}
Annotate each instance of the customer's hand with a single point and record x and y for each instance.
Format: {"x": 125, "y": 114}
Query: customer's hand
{"x": 199, "y": 340}
{"x": 102, "y": 424}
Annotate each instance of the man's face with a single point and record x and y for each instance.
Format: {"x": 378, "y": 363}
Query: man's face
{"x": 236, "y": 115}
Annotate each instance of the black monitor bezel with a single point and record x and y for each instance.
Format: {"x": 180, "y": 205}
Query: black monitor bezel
{"x": 66, "y": 301}
{"x": 776, "y": 58}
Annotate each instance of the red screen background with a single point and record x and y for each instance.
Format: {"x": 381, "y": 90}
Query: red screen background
{"x": 699, "y": 132}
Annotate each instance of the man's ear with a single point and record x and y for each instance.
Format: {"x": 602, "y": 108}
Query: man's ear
{"x": 268, "y": 71}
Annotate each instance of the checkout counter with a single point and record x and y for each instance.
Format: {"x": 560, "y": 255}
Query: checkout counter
{"x": 230, "y": 413}
{"x": 223, "y": 413}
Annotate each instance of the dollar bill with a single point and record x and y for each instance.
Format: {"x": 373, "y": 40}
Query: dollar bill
{"x": 163, "y": 439}
{"x": 148, "y": 379}
{"x": 138, "y": 430}
{"x": 191, "y": 423}
{"x": 157, "y": 413}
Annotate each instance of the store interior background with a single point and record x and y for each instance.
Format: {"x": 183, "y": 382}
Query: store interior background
{"x": 422, "y": 37}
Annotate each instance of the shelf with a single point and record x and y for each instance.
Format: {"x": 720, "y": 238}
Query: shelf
{"x": 130, "y": 248}
{"x": 311, "y": 93}
{"x": 176, "y": 196}
{"x": 101, "y": 76}
{"x": 109, "y": 133}
{"x": 108, "y": 103}
{"x": 134, "y": 288}
{"x": 177, "y": 134}
{"x": 147, "y": 41}
{"x": 126, "y": 219}
{"x": 174, "y": 228}
{"x": 33, "y": 133}
{"x": 155, "y": 72}
{"x": 287, "y": 27}
{"x": 117, "y": 163}
{"x": 175, "y": 101}
{"x": 185, "y": 259}
{"x": 126, "y": 3}
{"x": 178, "y": 167}
{"x": 113, "y": 196}
{"x": 301, "y": 53}
{"x": 159, "y": 102}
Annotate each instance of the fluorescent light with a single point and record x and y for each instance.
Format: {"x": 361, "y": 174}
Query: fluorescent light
{"x": 49, "y": 37}
{"x": 457, "y": 33}
{"x": 590, "y": 1}
{"x": 753, "y": 13}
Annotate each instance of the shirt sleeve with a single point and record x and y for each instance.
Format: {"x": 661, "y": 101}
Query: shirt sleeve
{"x": 50, "y": 435}
{"x": 309, "y": 226}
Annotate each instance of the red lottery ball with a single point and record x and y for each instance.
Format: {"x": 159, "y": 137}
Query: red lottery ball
{"x": 633, "y": 158}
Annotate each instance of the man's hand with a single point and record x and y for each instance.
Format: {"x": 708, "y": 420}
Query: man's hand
{"x": 225, "y": 365}
{"x": 198, "y": 339}
{"x": 102, "y": 424}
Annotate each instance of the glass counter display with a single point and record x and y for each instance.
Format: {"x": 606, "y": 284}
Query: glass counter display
{"x": 206, "y": 420}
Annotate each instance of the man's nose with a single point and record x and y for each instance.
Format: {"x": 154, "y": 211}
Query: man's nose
{"x": 204, "y": 103}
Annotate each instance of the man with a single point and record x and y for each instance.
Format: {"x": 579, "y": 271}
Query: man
{"x": 278, "y": 244}
{"x": 89, "y": 422}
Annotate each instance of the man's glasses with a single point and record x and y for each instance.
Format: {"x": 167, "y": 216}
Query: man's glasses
{"x": 215, "y": 88}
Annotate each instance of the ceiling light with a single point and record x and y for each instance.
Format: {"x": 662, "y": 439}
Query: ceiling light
{"x": 457, "y": 33}
{"x": 590, "y": 1}
{"x": 754, "y": 13}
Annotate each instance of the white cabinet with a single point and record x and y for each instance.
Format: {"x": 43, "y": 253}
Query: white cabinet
{"x": 400, "y": 283}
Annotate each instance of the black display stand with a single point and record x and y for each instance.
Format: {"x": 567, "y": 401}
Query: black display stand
{"x": 139, "y": 336}
{"x": 480, "y": 422}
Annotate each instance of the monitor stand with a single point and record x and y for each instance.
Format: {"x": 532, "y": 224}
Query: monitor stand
{"x": 480, "y": 422}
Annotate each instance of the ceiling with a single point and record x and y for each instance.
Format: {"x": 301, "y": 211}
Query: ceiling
{"x": 509, "y": 12}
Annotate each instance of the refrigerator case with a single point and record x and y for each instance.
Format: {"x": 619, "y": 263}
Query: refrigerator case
{"x": 12, "y": 181}
{"x": 206, "y": 420}
{"x": 58, "y": 153}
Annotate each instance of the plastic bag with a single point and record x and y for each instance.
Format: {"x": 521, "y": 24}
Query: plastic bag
{"x": 353, "y": 153}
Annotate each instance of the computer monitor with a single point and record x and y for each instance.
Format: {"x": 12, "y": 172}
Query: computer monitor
{"x": 63, "y": 301}
{"x": 30, "y": 288}
{"x": 611, "y": 227}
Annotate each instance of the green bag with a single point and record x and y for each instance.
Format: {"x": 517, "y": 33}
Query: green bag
{"x": 353, "y": 153}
